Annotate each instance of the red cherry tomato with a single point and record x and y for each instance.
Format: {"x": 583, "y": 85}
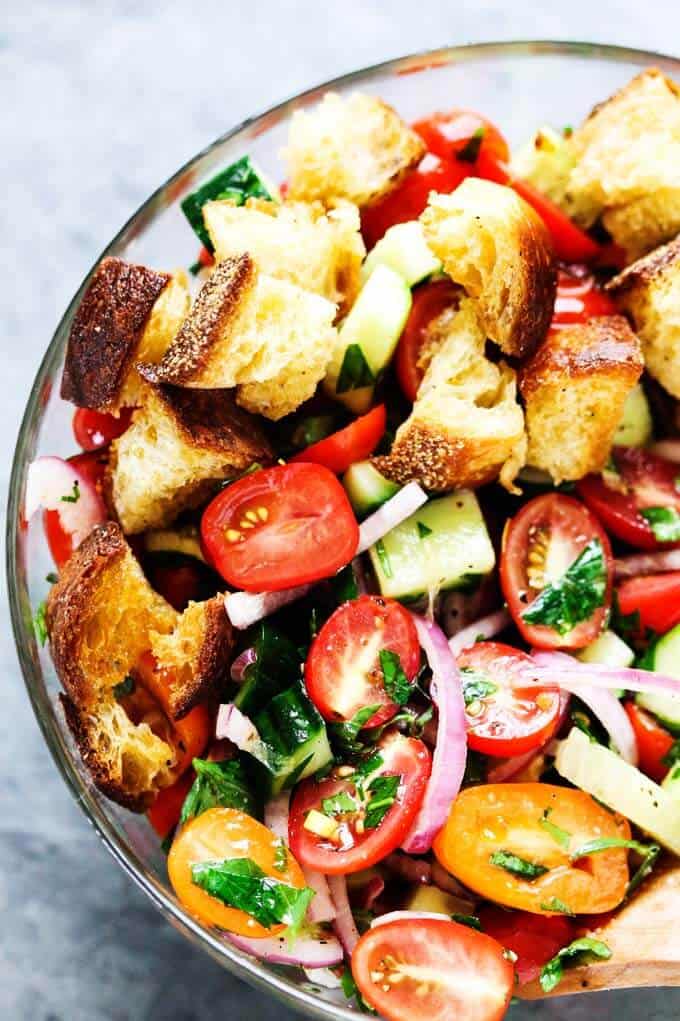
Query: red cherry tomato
{"x": 626, "y": 492}
{"x": 579, "y": 297}
{"x": 96, "y": 429}
{"x": 506, "y": 714}
{"x": 353, "y": 845}
{"x": 92, "y": 465}
{"x": 449, "y": 134}
{"x": 178, "y": 584}
{"x": 540, "y": 543}
{"x": 656, "y": 597}
{"x": 343, "y": 673}
{"x": 653, "y": 742}
{"x": 353, "y": 443}
{"x": 165, "y": 812}
{"x": 535, "y": 939}
{"x": 280, "y": 527}
{"x": 429, "y": 301}
{"x": 431, "y": 969}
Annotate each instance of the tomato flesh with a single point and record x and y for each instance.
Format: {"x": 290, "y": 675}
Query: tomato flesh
{"x": 496, "y": 818}
{"x": 534, "y": 939}
{"x": 540, "y": 543}
{"x": 655, "y": 597}
{"x": 92, "y": 465}
{"x": 95, "y": 429}
{"x": 636, "y": 482}
{"x": 355, "y": 442}
{"x": 449, "y": 134}
{"x": 429, "y": 301}
{"x": 178, "y": 584}
{"x": 579, "y": 297}
{"x": 280, "y": 527}
{"x": 165, "y": 812}
{"x": 353, "y": 846}
{"x": 343, "y": 673}
{"x": 653, "y": 742}
{"x": 515, "y": 715}
{"x": 432, "y": 968}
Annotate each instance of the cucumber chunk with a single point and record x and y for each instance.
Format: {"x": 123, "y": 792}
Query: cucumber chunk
{"x": 636, "y": 425}
{"x": 432, "y": 899}
{"x": 608, "y": 649}
{"x": 621, "y": 787}
{"x": 366, "y": 488}
{"x": 405, "y": 250}
{"x": 546, "y": 161}
{"x": 443, "y": 545}
{"x": 183, "y": 540}
{"x": 367, "y": 339}
{"x": 666, "y": 660}
{"x": 295, "y": 737}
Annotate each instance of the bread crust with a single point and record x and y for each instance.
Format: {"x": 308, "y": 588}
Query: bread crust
{"x": 106, "y": 331}
{"x": 645, "y": 271}
{"x": 212, "y": 421}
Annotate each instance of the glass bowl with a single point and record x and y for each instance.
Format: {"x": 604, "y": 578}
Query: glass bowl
{"x": 521, "y": 86}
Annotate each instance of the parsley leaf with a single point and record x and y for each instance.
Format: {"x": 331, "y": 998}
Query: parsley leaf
{"x": 553, "y": 971}
{"x": 74, "y": 495}
{"x": 469, "y": 153}
{"x": 40, "y": 622}
{"x": 517, "y": 866}
{"x": 341, "y": 803}
{"x": 355, "y": 371}
{"x": 664, "y": 522}
{"x": 394, "y": 679}
{"x": 476, "y": 686}
{"x": 222, "y": 784}
{"x": 384, "y": 559}
{"x": 560, "y": 836}
{"x": 575, "y": 596}
{"x": 383, "y": 794}
{"x": 555, "y": 904}
{"x": 124, "y": 688}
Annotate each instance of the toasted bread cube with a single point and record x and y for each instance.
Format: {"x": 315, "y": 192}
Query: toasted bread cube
{"x": 357, "y": 148}
{"x": 102, "y": 618}
{"x": 466, "y": 426}
{"x": 295, "y": 241}
{"x": 628, "y": 164}
{"x": 180, "y": 446}
{"x": 649, "y": 292}
{"x": 246, "y": 329}
{"x": 493, "y": 244}
{"x": 574, "y": 390}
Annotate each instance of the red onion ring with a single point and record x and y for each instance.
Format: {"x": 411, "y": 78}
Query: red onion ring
{"x": 559, "y": 670}
{"x": 307, "y": 951}
{"x": 395, "y": 510}
{"x": 240, "y": 664}
{"x": 276, "y": 815}
{"x": 344, "y": 926}
{"x": 647, "y": 563}
{"x": 482, "y": 629}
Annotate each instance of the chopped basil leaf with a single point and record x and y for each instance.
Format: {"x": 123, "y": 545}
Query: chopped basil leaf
{"x": 313, "y": 429}
{"x": 605, "y": 844}
{"x": 238, "y": 182}
{"x": 341, "y": 803}
{"x": 476, "y": 686}
{"x": 575, "y": 596}
{"x": 368, "y": 766}
{"x": 383, "y": 558}
{"x": 277, "y": 665}
{"x": 553, "y": 971}
{"x": 40, "y": 622}
{"x": 222, "y": 784}
{"x": 383, "y": 794}
{"x": 646, "y": 866}
{"x": 52, "y": 578}
{"x": 512, "y": 863}
{"x": 124, "y": 688}
{"x": 470, "y": 151}
{"x": 395, "y": 680}
{"x": 423, "y": 530}
{"x": 195, "y": 268}
{"x": 345, "y": 735}
{"x": 628, "y": 625}
{"x": 557, "y": 905}
{"x": 344, "y": 585}
{"x": 560, "y": 836}
{"x": 74, "y": 495}
{"x": 347, "y": 984}
{"x": 241, "y": 883}
{"x": 470, "y": 920}
{"x": 664, "y": 522}
{"x": 355, "y": 371}
{"x": 166, "y": 844}
{"x": 281, "y": 857}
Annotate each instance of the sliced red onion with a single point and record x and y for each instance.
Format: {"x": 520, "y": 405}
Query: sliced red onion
{"x": 232, "y": 724}
{"x": 450, "y": 751}
{"x": 647, "y": 563}
{"x": 401, "y": 506}
{"x": 367, "y": 895}
{"x": 344, "y": 926}
{"x": 246, "y": 608}
{"x": 276, "y": 814}
{"x": 508, "y": 768}
{"x": 307, "y": 951}
{"x": 321, "y": 908}
{"x": 554, "y": 668}
{"x": 482, "y": 629}
{"x": 668, "y": 449}
{"x": 240, "y": 664}
{"x": 323, "y": 977}
{"x": 408, "y": 916}
{"x": 56, "y": 485}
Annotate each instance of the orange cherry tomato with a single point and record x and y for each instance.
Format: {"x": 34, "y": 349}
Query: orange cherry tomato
{"x": 165, "y": 812}
{"x": 355, "y": 442}
{"x": 223, "y": 833}
{"x": 653, "y": 742}
{"x": 488, "y": 820}
{"x": 429, "y": 301}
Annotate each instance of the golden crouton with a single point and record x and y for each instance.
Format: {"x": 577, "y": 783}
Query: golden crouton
{"x": 102, "y": 618}
{"x": 628, "y": 164}
{"x": 265, "y": 336}
{"x": 466, "y": 426}
{"x": 126, "y": 312}
{"x": 295, "y": 241}
{"x": 357, "y": 148}
{"x": 493, "y": 244}
{"x": 574, "y": 389}
{"x": 649, "y": 292}
{"x": 180, "y": 446}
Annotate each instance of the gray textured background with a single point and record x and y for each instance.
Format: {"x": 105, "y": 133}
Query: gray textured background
{"x": 99, "y": 102}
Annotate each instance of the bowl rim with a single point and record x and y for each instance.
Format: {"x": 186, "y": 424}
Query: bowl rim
{"x": 241, "y": 966}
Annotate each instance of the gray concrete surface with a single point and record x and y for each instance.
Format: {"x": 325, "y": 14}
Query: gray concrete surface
{"x": 99, "y": 102}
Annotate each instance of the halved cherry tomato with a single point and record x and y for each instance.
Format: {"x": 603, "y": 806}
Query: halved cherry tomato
{"x": 189, "y": 735}
{"x": 343, "y": 673}
{"x": 579, "y": 297}
{"x": 510, "y": 818}
{"x": 540, "y": 543}
{"x": 165, "y": 812}
{"x": 507, "y": 714}
{"x": 354, "y": 846}
{"x": 205, "y": 257}
{"x": 449, "y": 134}
{"x": 95, "y": 429}
{"x": 636, "y": 481}
{"x": 653, "y": 742}
{"x": 533, "y": 938}
{"x": 280, "y": 527}
{"x": 656, "y": 597}
{"x": 223, "y": 833}
{"x": 353, "y": 443}
{"x": 429, "y": 301}
{"x": 433, "y": 969}
{"x": 179, "y": 583}
{"x": 92, "y": 465}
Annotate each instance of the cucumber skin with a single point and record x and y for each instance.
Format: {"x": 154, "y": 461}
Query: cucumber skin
{"x": 292, "y": 730}
{"x": 366, "y": 488}
{"x": 405, "y": 250}
{"x": 666, "y": 660}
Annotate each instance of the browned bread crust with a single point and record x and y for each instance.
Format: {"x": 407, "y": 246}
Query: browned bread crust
{"x": 211, "y": 420}
{"x": 106, "y": 330}
{"x": 645, "y": 271}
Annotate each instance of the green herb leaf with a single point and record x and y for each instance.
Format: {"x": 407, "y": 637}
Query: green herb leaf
{"x": 383, "y": 558}
{"x": 195, "y": 268}
{"x": 40, "y": 622}
{"x": 341, "y": 803}
{"x": 383, "y": 794}
{"x": 345, "y": 736}
{"x": 582, "y": 723}
{"x": 355, "y": 371}
{"x": 605, "y": 844}
{"x": 394, "y": 679}
{"x": 218, "y": 784}
{"x": 124, "y": 688}
{"x": 238, "y": 182}
{"x": 423, "y": 530}
{"x": 344, "y": 585}
{"x": 281, "y": 857}
{"x": 646, "y": 866}
{"x": 581, "y": 949}
{"x": 627, "y": 625}
{"x": 470, "y": 920}
{"x": 74, "y": 495}
{"x": 476, "y": 686}
{"x": 664, "y": 522}
{"x": 512, "y": 863}
{"x": 557, "y": 905}
{"x": 560, "y": 836}
{"x": 313, "y": 429}
{"x": 347, "y": 984}
{"x": 470, "y": 151}
{"x": 241, "y": 883}
{"x": 575, "y": 596}
{"x": 52, "y": 578}
{"x": 277, "y": 665}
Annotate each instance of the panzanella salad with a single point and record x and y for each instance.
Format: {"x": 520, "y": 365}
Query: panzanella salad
{"x": 367, "y": 579}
